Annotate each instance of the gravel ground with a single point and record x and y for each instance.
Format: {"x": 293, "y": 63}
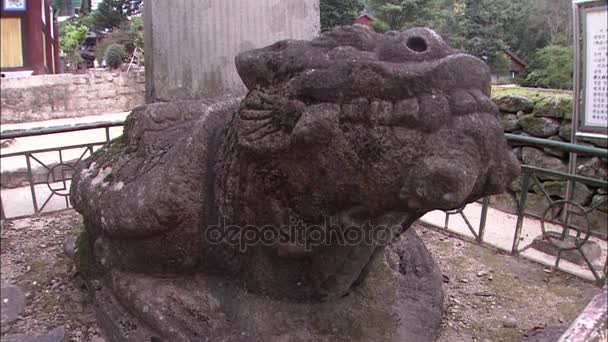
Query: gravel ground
{"x": 489, "y": 296}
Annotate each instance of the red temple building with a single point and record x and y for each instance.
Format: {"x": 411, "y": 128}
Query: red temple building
{"x": 365, "y": 18}
{"x": 29, "y": 38}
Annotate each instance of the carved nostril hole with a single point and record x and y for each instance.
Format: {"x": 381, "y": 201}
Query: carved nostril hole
{"x": 280, "y": 45}
{"x": 417, "y": 44}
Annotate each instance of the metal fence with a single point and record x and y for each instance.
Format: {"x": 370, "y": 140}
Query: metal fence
{"x": 48, "y": 177}
{"x": 55, "y": 178}
{"x": 557, "y": 212}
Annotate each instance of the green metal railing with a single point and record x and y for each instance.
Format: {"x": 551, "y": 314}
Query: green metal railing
{"x": 557, "y": 212}
{"x": 58, "y": 174}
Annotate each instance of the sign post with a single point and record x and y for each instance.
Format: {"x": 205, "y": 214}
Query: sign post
{"x": 590, "y": 97}
{"x": 591, "y": 69}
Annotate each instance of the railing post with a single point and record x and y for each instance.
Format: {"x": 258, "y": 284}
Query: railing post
{"x": 31, "y": 181}
{"x": 482, "y": 221}
{"x": 521, "y": 210}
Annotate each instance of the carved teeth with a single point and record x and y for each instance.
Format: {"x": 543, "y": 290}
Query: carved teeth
{"x": 434, "y": 111}
{"x": 250, "y": 114}
{"x": 381, "y": 112}
{"x": 261, "y": 131}
{"x": 356, "y": 111}
{"x": 406, "y": 111}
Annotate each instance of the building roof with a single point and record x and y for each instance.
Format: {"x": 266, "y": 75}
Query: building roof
{"x": 516, "y": 58}
{"x": 366, "y": 13}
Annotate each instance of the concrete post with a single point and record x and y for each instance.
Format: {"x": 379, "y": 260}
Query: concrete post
{"x": 190, "y": 45}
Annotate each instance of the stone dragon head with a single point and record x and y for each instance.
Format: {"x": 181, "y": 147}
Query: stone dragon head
{"x": 391, "y": 122}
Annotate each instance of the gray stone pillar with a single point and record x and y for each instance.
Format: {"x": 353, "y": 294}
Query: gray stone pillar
{"x": 191, "y": 44}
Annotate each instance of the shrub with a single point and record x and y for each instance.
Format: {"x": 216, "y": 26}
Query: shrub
{"x": 553, "y": 68}
{"x": 380, "y": 26}
{"x": 115, "y": 55}
{"x": 130, "y": 34}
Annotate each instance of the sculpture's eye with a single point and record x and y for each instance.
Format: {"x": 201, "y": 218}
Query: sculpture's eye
{"x": 417, "y": 44}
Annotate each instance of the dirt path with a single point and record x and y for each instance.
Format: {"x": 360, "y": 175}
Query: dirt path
{"x": 488, "y": 296}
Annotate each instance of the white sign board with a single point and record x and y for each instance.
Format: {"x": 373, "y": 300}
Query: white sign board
{"x": 596, "y": 69}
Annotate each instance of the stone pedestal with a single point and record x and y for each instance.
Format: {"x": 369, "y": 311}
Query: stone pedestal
{"x": 400, "y": 300}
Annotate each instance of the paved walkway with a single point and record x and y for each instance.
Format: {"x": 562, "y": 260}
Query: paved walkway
{"x": 500, "y": 231}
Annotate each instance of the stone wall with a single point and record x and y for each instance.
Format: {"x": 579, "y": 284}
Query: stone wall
{"x": 47, "y": 97}
{"x": 548, "y": 115}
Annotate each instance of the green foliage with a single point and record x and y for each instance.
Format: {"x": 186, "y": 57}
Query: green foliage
{"x": 112, "y": 14}
{"x": 108, "y": 15}
{"x": 115, "y": 55}
{"x": 403, "y": 14}
{"x": 130, "y": 35}
{"x": 339, "y": 12}
{"x": 70, "y": 43}
{"x": 538, "y": 23}
{"x": 83, "y": 258}
{"x": 553, "y": 68}
{"x": 380, "y": 26}
{"x": 485, "y": 27}
{"x": 499, "y": 63}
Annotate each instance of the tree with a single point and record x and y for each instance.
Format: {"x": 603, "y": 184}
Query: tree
{"x": 380, "y": 26}
{"x": 339, "y": 12}
{"x": 108, "y": 15}
{"x": 115, "y": 55}
{"x": 454, "y": 25}
{"x": 403, "y": 14}
{"x": 70, "y": 43}
{"x": 485, "y": 29}
{"x": 553, "y": 68}
{"x": 111, "y": 14}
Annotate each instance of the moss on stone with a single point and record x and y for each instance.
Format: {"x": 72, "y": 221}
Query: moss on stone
{"x": 513, "y": 103}
{"x": 83, "y": 258}
{"x": 533, "y": 94}
{"x": 554, "y": 107}
{"x": 539, "y": 126}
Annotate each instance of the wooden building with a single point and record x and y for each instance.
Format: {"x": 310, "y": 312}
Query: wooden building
{"x": 365, "y": 18}
{"x": 516, "y": 65}
{"x": 29, "y": 38}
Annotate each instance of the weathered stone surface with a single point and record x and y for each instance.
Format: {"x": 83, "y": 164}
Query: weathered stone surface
{"x": 13, "y": 303}
{"x": 556, "y": 151}
{"x": 517, "y": 143}
{"x": 55, "y": 335}
{"x": 539, "y": 126}
{"x": 554, "y": 107}
{"x": 535, "y": 157}
{"x": 598, "y": 221}
{"x": 593, "y": 167}
{"x": 514, "y": 104}
{"x": 582, "y": 193}
{"x": 565, "y": 131}
{"x": 509, "y": 122}
{"x": 398, "y": 301}
{"x": 517, "y": 152}
{"x": 600, "y": 202}
{"x": 603, "y": 143}
{"x": 296, "y": 154}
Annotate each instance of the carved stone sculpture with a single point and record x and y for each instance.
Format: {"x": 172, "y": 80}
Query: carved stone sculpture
{"x": 251, "y": 220}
